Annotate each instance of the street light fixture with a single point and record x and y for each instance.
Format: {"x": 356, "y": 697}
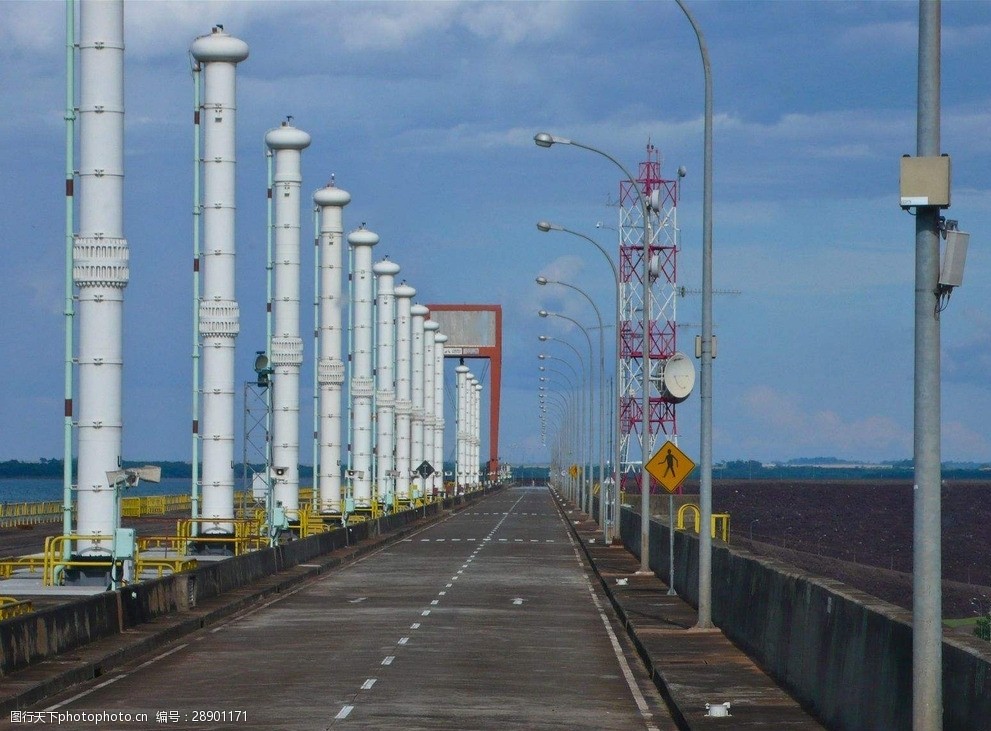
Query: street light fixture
{"x": 705, "y": 385}
{"x": 586, "y": 448}
{"x": 546, "y": 226}
{"x": 602, "y": 396}
{"x": 544, "y": 139}
{"x": 591, "y": 402}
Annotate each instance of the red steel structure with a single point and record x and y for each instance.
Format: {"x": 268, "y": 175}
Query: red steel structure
{"x": 475, "y": 331}
{"x": 662, "y": 270}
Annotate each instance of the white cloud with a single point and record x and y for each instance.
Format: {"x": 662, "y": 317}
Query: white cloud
{"x": 31, "y": 27}
{"x": 901, "y": 35}
{"x": 782, "y": 424}
{"x": 384, "y": 26}
{"x": 513, "y": 23}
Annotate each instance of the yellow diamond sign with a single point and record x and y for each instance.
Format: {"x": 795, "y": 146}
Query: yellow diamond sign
{"x": 670, "y": 466}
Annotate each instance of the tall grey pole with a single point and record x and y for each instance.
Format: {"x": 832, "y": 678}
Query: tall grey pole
{"x": 543, "y": 139}
{"x": 927, "y": 656}
{"x": 602, "y": 394}
{"x": 705, "y": 385}
{"x": 587, "y": 505}
{"x": 609, "y": 530}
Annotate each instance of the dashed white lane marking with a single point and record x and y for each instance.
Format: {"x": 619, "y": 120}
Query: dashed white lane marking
{"x": 367, "y": 685}
{"x": 415, "y": 625}
{"x": 403, "y": 640}
{"x": 344, "y": 712}
{"x": 435, "y": 602}
{"x": 449, "y": 585}
{"x": 503, "y": 540}
{"x": 631, "y": 682}
{"x": 440, "y": 540}
{"x": 388, "y": 659}
{"x": 425, "y": 613}
{"x": 442, "y": 593}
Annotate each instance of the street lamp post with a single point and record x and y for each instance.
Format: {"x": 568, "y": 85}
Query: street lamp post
{"x": 610, "y": 529}
{"x": 583, "y": 381}
{"x": 564, "y": 431}
{"x": 544, "y": 139}
{"x": 705, "y": 384}
{"x": 591, "y": 406}
{"x": 602, "y": 395}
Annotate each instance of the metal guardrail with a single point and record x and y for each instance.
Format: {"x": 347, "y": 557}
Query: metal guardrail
{"x": 11, "y": 607}
{"x": 13, "y": 514}
{"x": 719, "y": 522}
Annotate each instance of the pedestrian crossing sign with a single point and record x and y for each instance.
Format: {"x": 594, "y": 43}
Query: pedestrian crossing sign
{"x": 670, "y": 466}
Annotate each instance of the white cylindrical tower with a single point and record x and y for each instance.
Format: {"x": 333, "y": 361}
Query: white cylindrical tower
{"x": 430, "y": 328}
{"x": 385, "y": 377}
{"x": 461, "y": 430}
{"x": 418, "y": 315}
{"x": 100, "y": 267}
{"x": 476, "y": 414}
{"x": 470, "y": 431}
{"x": 438, "y": 457}
{"x": 362, "y": 383}
{"x": 219, "y": 317}
{"x": 286, "y": 349}
{"x": 330, "y": 368}
{"x": 404, "y": 393}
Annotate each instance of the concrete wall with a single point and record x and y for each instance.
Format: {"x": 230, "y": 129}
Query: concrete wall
{"x": 43, "y": 634}
{"x": 846, "y": 656}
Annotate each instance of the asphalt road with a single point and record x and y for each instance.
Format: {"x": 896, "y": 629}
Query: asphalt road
{"x": 488, "y": 619}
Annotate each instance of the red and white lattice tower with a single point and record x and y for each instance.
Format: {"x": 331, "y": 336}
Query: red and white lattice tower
{"x": 664, "y": 240}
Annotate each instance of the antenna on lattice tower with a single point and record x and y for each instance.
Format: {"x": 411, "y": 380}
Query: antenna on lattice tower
{"x": 683, "y": 291}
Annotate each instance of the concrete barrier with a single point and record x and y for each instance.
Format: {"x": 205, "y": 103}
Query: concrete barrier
{"x": 845, "y": 655}
{"x": 41, "y": 635}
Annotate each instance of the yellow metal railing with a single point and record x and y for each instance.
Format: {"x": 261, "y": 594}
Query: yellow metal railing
{"x": 247, "y": 533}
{"x": 163, "y": 566}
{"x": 312, "y": 522}
{"x": 26, "y": 513}
{"x": 11, "y": 607}
{"x": 718, "y": 523}
{"x": 14, "y": 563}
{"x": 54, "y": 563}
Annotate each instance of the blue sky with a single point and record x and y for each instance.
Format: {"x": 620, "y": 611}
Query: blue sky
{"x": 425, "y": 112}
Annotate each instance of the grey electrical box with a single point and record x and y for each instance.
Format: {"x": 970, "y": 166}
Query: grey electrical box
{"x": 925, "y": 181}
{"x": 954, "y": 258}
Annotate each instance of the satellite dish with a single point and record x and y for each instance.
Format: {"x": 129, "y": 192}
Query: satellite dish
{"x": 677, "y": 378}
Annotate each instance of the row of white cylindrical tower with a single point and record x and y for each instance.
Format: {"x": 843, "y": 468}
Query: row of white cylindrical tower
{"x": 467, "y": 474}
{"x": 406, "y": 383}
{"x": 403, "y": 382}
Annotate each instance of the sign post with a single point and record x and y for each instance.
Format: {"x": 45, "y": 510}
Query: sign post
{"x": 670, "y": 466}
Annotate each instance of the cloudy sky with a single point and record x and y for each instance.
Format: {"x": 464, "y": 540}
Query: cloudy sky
{"x": 425, "y": 112}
